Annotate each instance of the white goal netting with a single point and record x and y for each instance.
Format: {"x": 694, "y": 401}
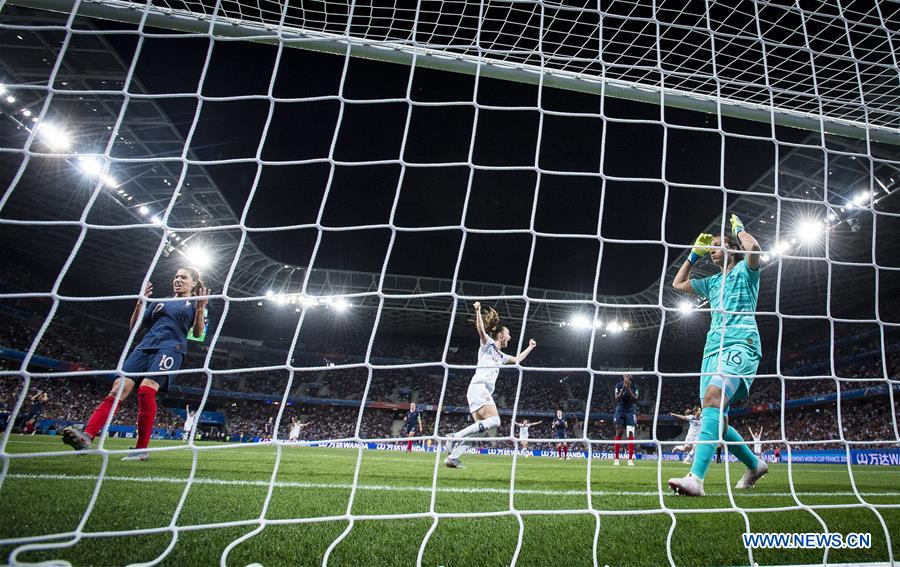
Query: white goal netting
{"x": 555, "y": 161}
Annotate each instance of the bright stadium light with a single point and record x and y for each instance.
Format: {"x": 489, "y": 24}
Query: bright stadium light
{"x": 765, "y": 257}
{"x": 340, "y": 305}
{"x": 810, "y": 231}
{"x": 10, "y": 99}
{"x": 199, "y": 256}
{"x": 156, "y": 220}
{"x": 270, "y": 294}
{"x": 626, "y": 325}
{"x": 90, "y": 165}
{"x": 281, "y": 299}
{"x": 580, "y": 322}
{"x": 686, "y": 307}
{"x": 613, "y": 327}
{"x": 144, "y": 210}
{"x": 310, "y": 301}
{"x": 861, "y": 198}
{"x": 781, "y": 247}
{"x": 54, "y": 136}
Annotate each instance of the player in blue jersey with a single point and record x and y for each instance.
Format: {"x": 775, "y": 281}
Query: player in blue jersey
{"x": 168, "y": 326}
{"x": 625, "y": 416}
{"x": 732, "y": 352}
{"x": 412, "y": 424}
{"x": 560, "y": 429}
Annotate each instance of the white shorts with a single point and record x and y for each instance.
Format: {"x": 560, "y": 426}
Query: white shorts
{"x": 757, "y": 448}
{"x": 689, "y": 440}
{"x": 478, "y": 396}
{"x": 293, "y": 437}
{"x": 523, "y": 436}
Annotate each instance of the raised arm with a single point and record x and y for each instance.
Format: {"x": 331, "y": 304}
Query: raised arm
{"x": 679, "y": 416}
{"x": 522, "y": 355}
{"x": 535, "y": 423}
{"x": 748, "y": 243}
{"x": 200, "y": 314}
{"x": 138, "y": 307}
{"x": 479, "y": 323}
{"x": 682, "y": 281}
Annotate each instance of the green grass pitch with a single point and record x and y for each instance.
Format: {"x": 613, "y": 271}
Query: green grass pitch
{"x": 49, "y": 495}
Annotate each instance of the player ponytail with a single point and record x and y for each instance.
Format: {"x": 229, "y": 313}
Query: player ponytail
{"x": 492, "y": 325}
{"x": 195, "y": 275}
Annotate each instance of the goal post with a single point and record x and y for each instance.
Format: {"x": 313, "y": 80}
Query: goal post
{"x": 272, "y": 31}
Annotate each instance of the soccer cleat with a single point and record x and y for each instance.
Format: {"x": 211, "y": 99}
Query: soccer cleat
{"x": 142, "y": 456}
{"x": 630, "y": 462}
{"x": 751, "y": 476}
{"x": 616, "y": 463}
{"x": 453, "y": 463}
{"x": 687, "y": 486}
{"x": 76, "y": 438}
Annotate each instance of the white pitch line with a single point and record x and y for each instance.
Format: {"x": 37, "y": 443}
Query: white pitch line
{"x": 398, "y": 488}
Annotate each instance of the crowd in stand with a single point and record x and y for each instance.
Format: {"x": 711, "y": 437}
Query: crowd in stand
{"x": 84, "y": 340}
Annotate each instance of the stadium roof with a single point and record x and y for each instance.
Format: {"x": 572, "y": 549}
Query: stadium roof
{"x": 93, "y": 71}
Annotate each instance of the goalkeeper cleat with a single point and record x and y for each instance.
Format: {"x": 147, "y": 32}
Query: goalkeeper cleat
{"x": 453, "y": 463}
{"x": 687, "y": 486}
{"x": 142, "y": 456}
{"x": 76, "y": 438}
{"x": 751, "y": 476}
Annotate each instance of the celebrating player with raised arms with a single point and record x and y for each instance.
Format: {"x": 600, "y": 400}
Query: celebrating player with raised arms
{"x": 757, "y": 440}
{"x": 494, "y": 337}
{"x": 188, "y": 423}
{"x": 732, "y": 352}
{"x": 523, "y": 433}
{"x": 560, "y": 430}
{"x": 693, "y": 419}
{"x": 412, "y": 424}
{"x": 625, "y": 416}
{"x": 168, "y": 325}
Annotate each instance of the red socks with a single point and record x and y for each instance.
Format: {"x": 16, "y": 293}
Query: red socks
{"x": 566, "y": 450}
{"x": 99, "y": 417}
{"x": 146, "y": 415}
{"x": 616, "y": 445}
{"x": 409, "y": 446}
{"x": 631, "y": 448}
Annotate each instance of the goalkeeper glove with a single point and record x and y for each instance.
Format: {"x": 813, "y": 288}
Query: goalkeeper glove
{"x": 701, "y": 247}
{"x": 737, "y": 225}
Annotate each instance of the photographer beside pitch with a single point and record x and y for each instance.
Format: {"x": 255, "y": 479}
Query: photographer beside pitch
{"x": 732, "y": 351}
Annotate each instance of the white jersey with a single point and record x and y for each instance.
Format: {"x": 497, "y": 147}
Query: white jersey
{"x": 189, "y": 422}
{"x": 490, "y": 359}
{"x": 295, "y": 431}
{"x": 757, "y": 444}
{"x": 693, "y": 428}
{"x": 523, "y": 431}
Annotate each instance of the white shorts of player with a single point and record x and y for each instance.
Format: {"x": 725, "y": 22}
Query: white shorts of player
{"x": 478, "y": 396}
{"x": 523, "y": 436}
{"x": 757, "y": 448}
{"x": 292, "y": 437}
{"x": 691, "y": 437}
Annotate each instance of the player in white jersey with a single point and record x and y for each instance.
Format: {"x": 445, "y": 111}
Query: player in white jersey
{"x": 694, "y": 421}
{"x": 296, "y": 426}
{"x": 188, "y": 423}
{"x": 757, "y": 440}
{"x": 494, "y": 337}
{"x": 523, "y": 433}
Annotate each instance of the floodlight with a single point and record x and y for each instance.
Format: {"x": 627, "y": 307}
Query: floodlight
{"x": 144, "y": 210}
{"x": 199, "y": 256}
{"x": 686, "y": 307}
{"x": 53, "y": 136}
{"x": 809, "y": 231}
{"x": 580, "y": 322}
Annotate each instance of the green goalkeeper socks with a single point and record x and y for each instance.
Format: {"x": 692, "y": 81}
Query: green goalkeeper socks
{"x": 709, "y": 431}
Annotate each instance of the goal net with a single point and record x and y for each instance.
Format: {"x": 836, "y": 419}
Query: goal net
{"x": 350, "y": 179}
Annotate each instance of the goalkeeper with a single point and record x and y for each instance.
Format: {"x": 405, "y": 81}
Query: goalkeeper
{"x": 732, "y": 352}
